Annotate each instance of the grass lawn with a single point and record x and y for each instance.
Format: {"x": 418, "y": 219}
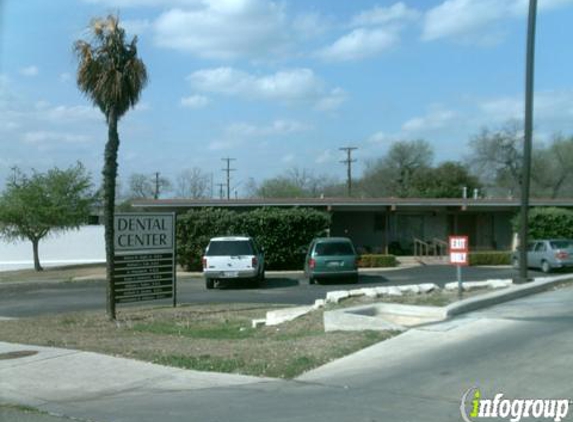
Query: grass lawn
{"x": 202, "y": 337}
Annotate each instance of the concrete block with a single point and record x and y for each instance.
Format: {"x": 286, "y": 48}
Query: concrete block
{"x": 409, "y": 288}
{"x": 288, "y": 314}
{"x": 356, "y": 292}
{"x": 256, "y": 323}
{"x": 500, "y": 284}
{"x": 428, "y": 287}
{"x": 319, "y": 303}
{"x": 451, "y": 286}
{"x": 370, "y": 292}
{"x": 394, "y": 291}
{"x": 336, "y": 296}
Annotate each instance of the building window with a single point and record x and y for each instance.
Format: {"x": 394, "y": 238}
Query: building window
{"x": 379, "y": 222}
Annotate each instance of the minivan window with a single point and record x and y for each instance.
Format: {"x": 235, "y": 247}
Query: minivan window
{"x": 229, "y": 248}
{"x": 562, "y": 244}
{"x": 333, "y": 248}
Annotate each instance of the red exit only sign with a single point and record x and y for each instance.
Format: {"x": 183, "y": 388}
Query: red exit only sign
{"x": 459, "y": 249}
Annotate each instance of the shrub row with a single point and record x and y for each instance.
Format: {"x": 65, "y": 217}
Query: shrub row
{"x": 548, "y": 223}
{"x": 490, "y": 258}
{"x": 283, "y": 233}
{"x": 374, "y": 261}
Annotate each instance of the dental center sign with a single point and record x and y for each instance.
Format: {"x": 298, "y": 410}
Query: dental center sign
{"x": 143, "y": 232}
{"x": 144, "y": 258}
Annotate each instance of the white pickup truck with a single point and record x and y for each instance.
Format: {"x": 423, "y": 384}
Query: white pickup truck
{"x": 233, "y": 258}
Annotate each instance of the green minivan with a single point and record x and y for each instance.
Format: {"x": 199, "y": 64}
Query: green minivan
{"x": 331, "y": 258}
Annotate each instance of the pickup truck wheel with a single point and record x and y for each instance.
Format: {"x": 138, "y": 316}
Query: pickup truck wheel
{"x": 209, "y": 283}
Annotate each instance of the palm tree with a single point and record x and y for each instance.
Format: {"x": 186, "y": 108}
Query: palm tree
{"x": 112, "y": 76}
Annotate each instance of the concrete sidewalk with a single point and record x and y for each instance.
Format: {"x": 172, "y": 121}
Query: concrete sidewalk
{"x": 62, "y": 375}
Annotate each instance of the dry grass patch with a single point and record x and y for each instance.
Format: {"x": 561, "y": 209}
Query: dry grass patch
{"x": 67, "y": 273}
{"x": 203, "y": 337}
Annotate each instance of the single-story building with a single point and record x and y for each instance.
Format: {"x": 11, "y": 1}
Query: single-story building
{"x": 391, "y": 224}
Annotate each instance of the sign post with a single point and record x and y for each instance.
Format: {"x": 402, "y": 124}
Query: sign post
{"x": 459, "y": 251}
{"x": 145, "y": 262}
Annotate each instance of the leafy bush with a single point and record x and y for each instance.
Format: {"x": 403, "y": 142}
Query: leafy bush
{"x": 548, "y": 223}
{"x": 490, "y": 258}
{"x": 283, "y": 233}
{"x": 370, "y": 261}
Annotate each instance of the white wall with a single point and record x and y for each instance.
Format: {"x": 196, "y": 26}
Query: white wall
{"x": 85, "y": 245}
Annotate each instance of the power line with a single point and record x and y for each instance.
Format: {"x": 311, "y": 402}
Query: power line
{"x": 348, "y": 163}
{"x": 228, "y": 170}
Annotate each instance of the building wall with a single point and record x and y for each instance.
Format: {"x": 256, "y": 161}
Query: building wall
{"x": 366, "y": 229}
{"x": 486, "y": 230}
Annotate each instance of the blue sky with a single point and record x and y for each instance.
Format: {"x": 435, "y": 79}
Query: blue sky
{"x": 279, "y": 84}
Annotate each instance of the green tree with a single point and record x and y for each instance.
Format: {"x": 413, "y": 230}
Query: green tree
{"x": 444, "y": 181}
{"x": 31, "y": 207}
{"x": 393, "y": 174}
{"x": 294, "y": 183}
{"x": 112, "y": 76}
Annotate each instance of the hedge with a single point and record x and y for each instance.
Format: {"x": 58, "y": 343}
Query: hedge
{"x": 283, "y": 233}
{"x": 490, "y": 258}
{"x": 548, "y": 223}
{"x": 376, "y": 261}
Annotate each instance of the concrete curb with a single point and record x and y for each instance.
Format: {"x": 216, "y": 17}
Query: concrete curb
{"x": 384, "y": 316}
{"x": 511, "y": 293}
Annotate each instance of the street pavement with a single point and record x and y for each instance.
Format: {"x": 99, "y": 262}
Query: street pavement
{"x": 289, "y": 288}
{"x": 521, "y": 349}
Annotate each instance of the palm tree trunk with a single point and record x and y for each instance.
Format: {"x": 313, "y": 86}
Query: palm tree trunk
{"x": 109, "y": 181}
{"x": 37, "y": 266}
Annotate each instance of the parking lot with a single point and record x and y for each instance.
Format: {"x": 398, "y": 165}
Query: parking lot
{"x": 18, "y": 300}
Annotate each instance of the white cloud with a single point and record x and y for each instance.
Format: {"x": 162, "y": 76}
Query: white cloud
{"x": 398, "y": 12}
{"x": 380, "y": 138}
{"x": 477, "y": 21}
{"x": 548, "y": 105}
{"x": 295, "y": 85}
{"x": 195, "y": 101}
{"x": 335, "y": 98}
{"x": 136, "y": 26}
{"x": 29, "y": 71}
{"x": 310, "y": 25}
{"x": 436, "y": 118}
{"x": 223, "y": 145}
{"x": 278, "y": 127}
{"x": 144, "y": 3}
{"x": 324, "y": 157}
{"x": 359, "y": 44}
{"x": 289, "y": 158}
{"x": 225, "y": 29}
{"x": 48, "y": 137}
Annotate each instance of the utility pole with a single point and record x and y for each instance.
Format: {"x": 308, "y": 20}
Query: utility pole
{"x": 156, "y": 194}
{"x": 526, "y": 169}
{"x": 348, "y": 163}
{"x": 228, "y": 170}
{"x": 220, "y": 190}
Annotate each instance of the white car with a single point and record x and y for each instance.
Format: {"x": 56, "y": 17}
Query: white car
{"x": 233, "y": 258}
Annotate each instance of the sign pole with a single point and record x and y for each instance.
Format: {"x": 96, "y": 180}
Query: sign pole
{"x": 460, "y": 285}
{"x": 459, "y": 255}
{"x": 174, "y": 263}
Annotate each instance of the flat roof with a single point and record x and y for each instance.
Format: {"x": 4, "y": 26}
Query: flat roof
{"x": 350, "y": 203}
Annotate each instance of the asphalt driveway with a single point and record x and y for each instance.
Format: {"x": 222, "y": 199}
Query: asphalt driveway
{"x": 20, "y": 300}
